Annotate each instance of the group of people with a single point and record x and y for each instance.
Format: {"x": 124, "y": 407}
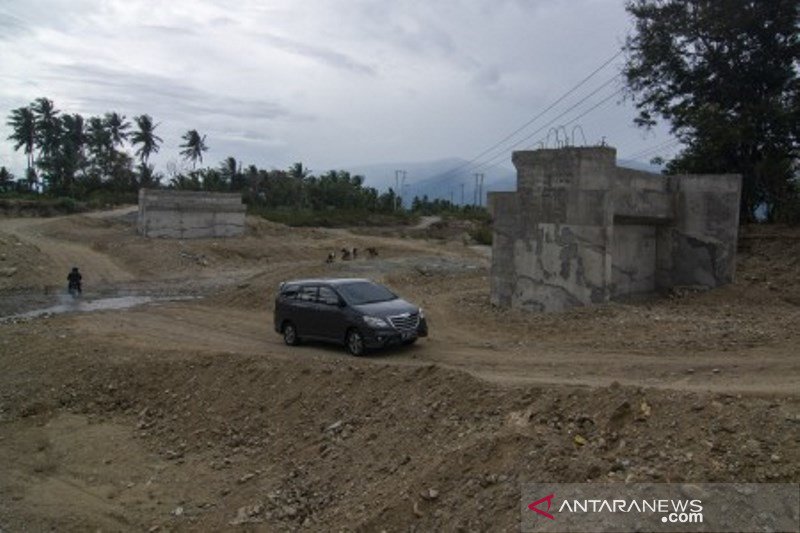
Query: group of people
{"x": 348, "y": 254}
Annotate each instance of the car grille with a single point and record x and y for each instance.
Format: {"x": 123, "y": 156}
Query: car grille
{"x": 405, "y": 322}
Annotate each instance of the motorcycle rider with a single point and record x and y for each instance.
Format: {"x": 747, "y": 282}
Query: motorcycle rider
{"x": 74, "y": 279}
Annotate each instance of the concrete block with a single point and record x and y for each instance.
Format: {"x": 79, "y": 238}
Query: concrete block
{"x": 579, "y": 230}
{"x": 189, "y": 214}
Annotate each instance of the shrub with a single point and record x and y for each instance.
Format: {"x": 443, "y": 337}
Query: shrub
{"x": 482, "y": 234}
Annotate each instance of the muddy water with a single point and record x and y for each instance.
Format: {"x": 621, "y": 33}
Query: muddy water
{"x": 68, "y": 304}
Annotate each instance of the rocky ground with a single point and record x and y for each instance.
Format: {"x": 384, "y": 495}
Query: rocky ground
{"x": 187, "y": 415}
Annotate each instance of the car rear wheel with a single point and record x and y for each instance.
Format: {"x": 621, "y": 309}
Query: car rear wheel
{"x": 355, "y": 343}
{"x": 290, "y": 334}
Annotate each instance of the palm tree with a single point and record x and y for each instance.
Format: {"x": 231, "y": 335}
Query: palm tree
{"x": 23, "y": 124}
{"x": 231, "y": 171}
{"x": 6, "y": 179}
{"x": 298, "y": 171}
{"x": 100, "y": 145}
{"x": 117, "y": 128}
{"x": 194, "y": 147}
{"x": 47, "y": 126}
{"x": 145, "y": 136}
{"x": 72, "y": 157}
{"x": 47, "y": 138}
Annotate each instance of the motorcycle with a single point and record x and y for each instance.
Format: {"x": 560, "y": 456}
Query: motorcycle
{"x": 74, "y": 288}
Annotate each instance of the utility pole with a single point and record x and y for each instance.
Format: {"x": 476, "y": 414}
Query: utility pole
{"x": 475, "y": 191}
{"x": 402, "y": 189}
{"x": 398, "y": 187}
{"x": 480, "y": 192}
{"x": 451, "y": 196}
{"x": 462, "y": 194}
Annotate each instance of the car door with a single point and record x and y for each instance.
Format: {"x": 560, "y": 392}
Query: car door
{"x": 305, "y": 311}
{"x": 330, "y": 314}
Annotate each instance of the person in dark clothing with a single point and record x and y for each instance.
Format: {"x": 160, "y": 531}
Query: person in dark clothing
{"x": 74, "y": 279}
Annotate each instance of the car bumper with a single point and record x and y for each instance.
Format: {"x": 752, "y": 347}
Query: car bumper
{"x": 380, "y": 338}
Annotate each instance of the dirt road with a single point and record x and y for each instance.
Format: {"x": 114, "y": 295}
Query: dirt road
{"x": 179, "y": 415}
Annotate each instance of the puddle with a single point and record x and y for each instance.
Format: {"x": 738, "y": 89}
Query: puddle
{"x": 77, "y": 305}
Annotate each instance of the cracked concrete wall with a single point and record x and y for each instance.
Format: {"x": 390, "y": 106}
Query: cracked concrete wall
{"x": 579, "y": 230}
{"x": 189, "y": 214}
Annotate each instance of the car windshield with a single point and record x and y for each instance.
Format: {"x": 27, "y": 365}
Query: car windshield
{"x": 365, "y": 292}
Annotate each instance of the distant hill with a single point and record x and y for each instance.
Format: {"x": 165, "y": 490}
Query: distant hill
{"x": 443, "y": 178}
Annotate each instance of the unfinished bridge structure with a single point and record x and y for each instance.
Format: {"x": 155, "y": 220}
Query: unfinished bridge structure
{"x": 579, "y": 230}
{"x": 190, "y": 214}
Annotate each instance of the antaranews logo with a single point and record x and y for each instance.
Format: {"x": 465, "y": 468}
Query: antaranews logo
{"x": 534, "y": 506}
{"x": 660, "y": 507}
{"x": 672, "y": 511}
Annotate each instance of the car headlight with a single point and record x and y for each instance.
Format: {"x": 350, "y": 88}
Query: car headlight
{"x": 375, "y": 322}
{"x": 421, "y": 314}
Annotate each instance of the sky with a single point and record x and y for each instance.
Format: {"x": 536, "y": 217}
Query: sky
{"x": 330, "y": 83}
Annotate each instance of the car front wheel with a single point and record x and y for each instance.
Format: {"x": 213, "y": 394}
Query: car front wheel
{"x": 355, "y": 343}
{"x": 290, "y": 334}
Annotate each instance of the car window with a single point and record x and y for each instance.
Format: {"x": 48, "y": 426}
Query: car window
{"x": 307, "y": 294}
{"x": 289, "y": 292}
{"x": 365, "y": 292}
{"x": 328, "y": 296}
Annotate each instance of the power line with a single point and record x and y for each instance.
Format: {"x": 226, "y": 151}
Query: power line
{"x": 539, "y": 115}
{"x": 495, "y": 160}
{"x": 488, "y": 163}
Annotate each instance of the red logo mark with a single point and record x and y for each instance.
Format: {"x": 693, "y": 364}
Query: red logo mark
{"x": 549, "y": 500}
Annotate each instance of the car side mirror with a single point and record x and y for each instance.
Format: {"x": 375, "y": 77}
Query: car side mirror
{"x": 342, "y": 303}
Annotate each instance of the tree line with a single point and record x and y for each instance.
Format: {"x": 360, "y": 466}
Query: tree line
{"x": 69, "y": 155}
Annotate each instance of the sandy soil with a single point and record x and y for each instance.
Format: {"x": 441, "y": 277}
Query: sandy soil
{"x": 186, "y": 415}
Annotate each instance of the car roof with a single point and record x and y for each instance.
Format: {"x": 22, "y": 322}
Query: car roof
{"x": 326, "y": 281}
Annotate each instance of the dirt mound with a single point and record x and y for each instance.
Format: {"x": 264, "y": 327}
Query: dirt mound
{"x": 339, "y": 443}
{"x": 21, "y": 263}
{"x": 769, "y": 258}
{"x": 193, "y": 414}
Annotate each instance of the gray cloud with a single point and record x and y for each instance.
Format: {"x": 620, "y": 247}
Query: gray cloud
{"x": 171, "y": 30}
{"x": 361, "y": 81}
{"x": 487, "y": 77}
{"x": 12, "y": 27}
{"x": 165, "y": 94}
{"x": 323, "y": 55}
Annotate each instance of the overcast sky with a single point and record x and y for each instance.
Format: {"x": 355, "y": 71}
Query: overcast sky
{"x": 331, "y": 83}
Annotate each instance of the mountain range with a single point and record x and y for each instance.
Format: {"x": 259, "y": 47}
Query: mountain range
{"x": 450, "y": 179}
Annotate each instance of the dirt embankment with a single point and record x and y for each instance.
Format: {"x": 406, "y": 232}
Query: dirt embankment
{"x": 193, "y": 415}
{"x": 183, "y": 441}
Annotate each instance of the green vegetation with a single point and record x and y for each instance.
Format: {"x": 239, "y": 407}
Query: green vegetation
{"x": 479, "y": 220}
{"x": 333, "y": 218}
{"x": 725, "y": 76}
{"x": 446, "y": 209}
{"x": 86, "y": 162}
{"x": 70, "y": 156}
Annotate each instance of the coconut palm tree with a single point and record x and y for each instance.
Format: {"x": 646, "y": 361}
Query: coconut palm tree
{"x": 100, "y": 146}
{"x": 72, "y": 153}
{"x": 47, "y": 126}
{"x": 23, "y": 125}
{"x": 117, "y": 128}
{"x": 231, "y": 171}
{"x": 194, "y": 147}
{"x": 47, "y": 137}
{"x": 6, "y": 179}
{"x": 146, "y": 137}
{"x": 298, "y": 171}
